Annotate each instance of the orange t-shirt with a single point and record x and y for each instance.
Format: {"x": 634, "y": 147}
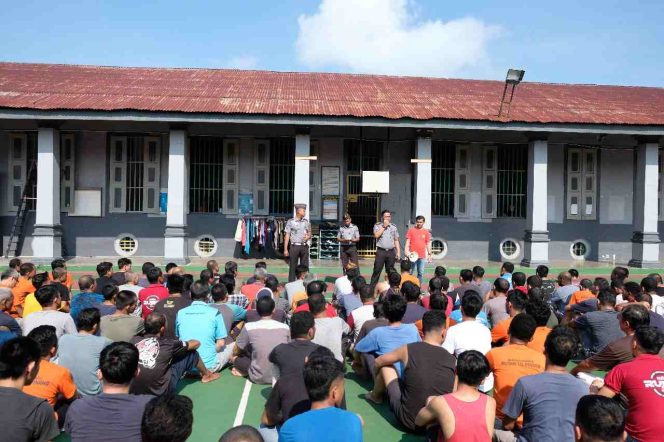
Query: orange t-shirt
{"x": 51, "y": 381}
{"x": 580, "y": 296}
{"x": 411, "y": 278}
{"x": 69, "y": 281}
{"x": 509, "y": 363}
{"x": 539, "y": 337}
{"x": 499, "y": 332}
{"x": 420, "y": 330}
{"x": 22, "y": 289}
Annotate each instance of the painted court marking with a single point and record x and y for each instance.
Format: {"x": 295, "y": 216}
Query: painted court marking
{"x": 239, "y": 416}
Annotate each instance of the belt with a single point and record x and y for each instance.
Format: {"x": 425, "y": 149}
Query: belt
{"x": 348, "y": 245}
{"x": 298, "y": 244}
{"x": 387, "y": 250}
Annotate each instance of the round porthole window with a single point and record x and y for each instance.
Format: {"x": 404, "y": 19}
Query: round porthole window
{"x": 205, "y": 246}
{"x": 579, "y": 249}
{"x": 126, "y": 244}
{"x": 510, "y": 249}
{"x": 438, "y": 248}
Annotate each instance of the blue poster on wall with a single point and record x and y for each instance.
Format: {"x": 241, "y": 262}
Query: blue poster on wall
{"x": 246, "y": 203}
{"x": 163, "y": 202}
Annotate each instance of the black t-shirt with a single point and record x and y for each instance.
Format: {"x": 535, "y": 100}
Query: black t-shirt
{"x": 62, "y": 290}
{"x": 119, "y": 278}
{"x": 288, "y": 398}
{"x": 155, "y": 357}
{"x": 657, "y": 321}
{"x": 290, "y": 357}
{"x": 9, "y": 322}
{"x": 461, "y": 290}
{"x": 25, "y": 417}
{"x": 429, "y": 372}
{"x": 170, "y": 307}
{"x": 102, "y": 282}
{"x": 548, "y": 287}
{"x": 278, "y": 315}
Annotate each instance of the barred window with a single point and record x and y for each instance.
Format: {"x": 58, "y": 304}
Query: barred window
{"x": 363, "y": 155}
{"x": 442, "y": 178}
{"x": 134, "y": 188}
{"x": 512, "y": 180}
{"x": 134, "y": 173}
{"x": 282, "y": 175}
{"x": 206, "y": 161}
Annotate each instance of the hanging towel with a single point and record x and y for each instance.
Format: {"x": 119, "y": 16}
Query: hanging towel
{"x": 238, "y": 231}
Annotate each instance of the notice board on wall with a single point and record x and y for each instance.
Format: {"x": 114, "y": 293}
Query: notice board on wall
{"x": 87, "y": 202}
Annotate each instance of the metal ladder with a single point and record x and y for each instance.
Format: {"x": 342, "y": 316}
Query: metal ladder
{"x": 15, "y": 242}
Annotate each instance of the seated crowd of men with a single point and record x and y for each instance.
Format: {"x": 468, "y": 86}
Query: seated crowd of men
{"x": 478, "y": 361}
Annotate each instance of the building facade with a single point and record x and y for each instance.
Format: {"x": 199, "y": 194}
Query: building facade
{"x": 164, "y": 162}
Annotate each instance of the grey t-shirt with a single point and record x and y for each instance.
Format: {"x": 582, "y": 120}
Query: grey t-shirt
{"x": 496, "y": 310}
{"x": 547, "y": 401}
{"x": 297, "y": 229}
{"x": 121, "y": 327}
{"x": 329, "y": 332}
{"x": 63, "y": 322}
{"x": 79, "y": 353}
{"x": 386, "y": 240}
{"x": 292, "y": 288}
{"x": 259, "y": 339}
{"x": 600, "y": 328}
{"x": 483, "y": 287}
{"x": 25, "y": 417}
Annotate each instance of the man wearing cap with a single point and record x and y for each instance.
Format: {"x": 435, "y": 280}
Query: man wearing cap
{"x": 298, "y": 232}
{"x": 348, "y": 237}
{"x": 388, "y": 249}
{"x": 418, "y": 240}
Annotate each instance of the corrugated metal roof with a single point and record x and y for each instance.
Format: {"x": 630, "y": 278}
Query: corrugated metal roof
{"x": 69, "y": 87}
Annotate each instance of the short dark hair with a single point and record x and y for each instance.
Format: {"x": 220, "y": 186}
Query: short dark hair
{"x": 109, "y": 291}
{"x": 58, "y": 263}
{"x": 585, "y": 283}
{"x": 316, "y": 287}
{"x": 435, "y": 284}
{"x": 466, "y": 275}
{"x": 104, "y": 267}
{"x": 205, "y": 275}
{"x": 146, "y": 267}
{"x": 410, "y": 291}
{"x": 561, "y": 345}
{"x": 167, "y": 418}
{"x": 118, "y": 362}
{"x": 272, "y": 283}
{"x": 508, "y": 267}
{"x": 378, "y": 310}
{"x": 319, "y": 374}
{"x": 175, "y": 283}
{"x": 471, "y": 303}
{"x": 230, "y": 267}
{"x": 542, "y": 271}
{"x": 433, "y": 320}
{"x": 366, "y": 293}
{"x": 169, "y": 266}
{"x": 26, "y": 268}
{"x": 260, "y": 265}
{"x": 265, "y": 306}
{"x": 419, "y": 217}
{"x": 154, "y": 322}
{"x": 39, "y": 280}
{"x": 650, "y": 339}
{"x": 633, "y": 288}
{"x": 600, "y": 418}
{"x": 187, "y": 281}
{"x": 241, "y": 433}
{"x": 472, "y": 367}
{"x": 15, "y": 263}
{"x": 501, "y": 285}
{"x": 395, "y": 307}
{"x": 384, "y": 212}
{"x": 301, "y": 323}
{"x": 405, "y": 265}
{"x": 522, "y": 327}
{"x": 606, "y": 297}
{"x": 394, "y": 279}
{"x": 601, "y": 284}
{"x": 535, "y": 292}
{"x": 518, "y": 279}
{"x": 123, "y": 262}
{"x": 301, "y": 269}
{"x": 228, "y": 281}
{"x": 635, "y": 315}
{"x": 440, "y": 271}
{"x": 317, "y": 303}
{"x": 619, "y": 272}
{"x": 534, "y": 281}
{"x": 478, "y": 271}
{"x": 15, "y": 356}
{"x": 46, "y": 337}
{"x": 218, "y": 292}
{"x": 352, "y": 273}
{"x": 438, "y": 301}
{"x": 518, "y": 300}
{"x": 649, "y": 284}
{"x": 574, "y": 273}
{"x": 153, "y": 275}
{"x": 357, "y": 283}
{"x": 538, "y": 309}
{"x": 46, "y": 295}
{"x": 125, "y": 298}
{"x": 88, "y": 318}
{"x": 657, "y": 277}
{"x": 199, "y": 290}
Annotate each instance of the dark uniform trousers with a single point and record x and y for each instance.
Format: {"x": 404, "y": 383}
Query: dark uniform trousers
{"x": 298, "y": 255}
{"x": 348, "y": 254}
{"x": 385, "y": 258}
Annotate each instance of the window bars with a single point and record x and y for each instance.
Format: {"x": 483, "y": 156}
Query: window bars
{"x": 442, "y": 178}
{"x": 206, "y": 161}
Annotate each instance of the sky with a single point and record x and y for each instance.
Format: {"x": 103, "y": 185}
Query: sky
{"x": 589, "y": 41}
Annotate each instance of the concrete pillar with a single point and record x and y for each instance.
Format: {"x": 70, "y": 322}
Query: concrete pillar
{"x": 645, "y": 241}
{"x": 301, "y": 184}
{"x": 423, "y": 179}
{"x": 536, "y": 239}
{"x": 47, "y": 235}
{"x": 175, "y": 236}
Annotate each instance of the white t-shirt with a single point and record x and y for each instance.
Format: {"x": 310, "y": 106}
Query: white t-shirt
{"x": 470, "y": 335}
{"x": 657, "y": 304}
{"x": 360, "y": 316}
{"x": 134, "y": 288}
{"x": 329, "y": 332}
{"x": 342, "y": 286}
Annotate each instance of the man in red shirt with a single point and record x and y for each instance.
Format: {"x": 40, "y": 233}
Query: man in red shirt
{"x": 641, "y": 381}
{"x": 154, "y": 292}
{"x": 418, "y": 239}
{"x": 250, "y": 290}
{"x": 317, "y": 287}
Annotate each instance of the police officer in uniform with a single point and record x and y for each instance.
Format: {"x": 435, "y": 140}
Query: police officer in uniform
{"x": 348, "y": 237}
{"x": 298, "y": 232}
{"x": 388, "y": 249}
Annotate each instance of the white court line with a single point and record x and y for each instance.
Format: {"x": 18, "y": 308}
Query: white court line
{"x": 239, "y": 416}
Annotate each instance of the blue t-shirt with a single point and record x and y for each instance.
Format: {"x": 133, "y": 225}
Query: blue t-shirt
{"x": 383, "y": 340}
{"x": 325, "y": 425}
{"x": 205, "y": 324}
{"x": 82, "y": 301}
{"x": 481, "y": 318}
{"x": 239, "y": 314}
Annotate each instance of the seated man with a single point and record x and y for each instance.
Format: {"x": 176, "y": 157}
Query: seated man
{"x": 599, "y": 419}
{"x": 466, "y": 414}
{"x": 297, "y": 286}
{"x": 88, "y": 417}
{"x": 168, "y": 418}
{"x": 599, "y": 328}
{"x": 256, "y": 341}
{"x": 24, "y": 417}
{"x": 495, "y": 305}
{"x": 122, "y": 325}
{"x": 515, "y": 304}
{"x": 347, "y": 302}
{"x": 53, "y": 382}
{"x": 325, "y": 422}
{"x": 6, "y": 301}
{"x": 363, "y": 314}
{"x": 154, "y": 292}
{"x": 428, "y": 371}
{"x": 164, "y": 361}
{"x": 176, "y": 301}
{"x": 220, "y": 301}
{"x": 414, "y": 311}
{"x": 539, "y": 309}
{"x": 86, "y": 298}
{"x": 49, "y": 298}
{"x": 313, "y": 288}
{"x": 330, "y": 332}
{"x": 278, "y": 314}
{"x": 405, "y": 266}
{"x": 457, "y": 316}
{"x": 289, "y": 358}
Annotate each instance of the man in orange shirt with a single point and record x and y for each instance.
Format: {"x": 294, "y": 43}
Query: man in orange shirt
{"x": 53, "y": 382}
{"x": 23, "y": 288}
{"x": 539, "y": 309}
{"x": 512, "y": 361}
{"x": 584, "y": 293}
{"x": 405, "y": 266}
{"x": 61, "y": 264}
{"x": 516, "y": 303}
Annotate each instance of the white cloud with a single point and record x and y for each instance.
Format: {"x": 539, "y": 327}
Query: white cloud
{"x": 387, "y": 37}
{"x": 242, "y": 62}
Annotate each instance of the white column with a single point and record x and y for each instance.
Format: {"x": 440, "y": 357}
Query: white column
{"x": 645, "y": 241}
{"x": 301, "y": 189}
{"x": 423, "y": 179}
{"x": 175, "y": 236}
{"x": 47, "y": 235}
{"x": 536, "y": 239}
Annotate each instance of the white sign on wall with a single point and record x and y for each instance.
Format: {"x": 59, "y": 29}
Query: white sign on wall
{"x": 375, "y": 181}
